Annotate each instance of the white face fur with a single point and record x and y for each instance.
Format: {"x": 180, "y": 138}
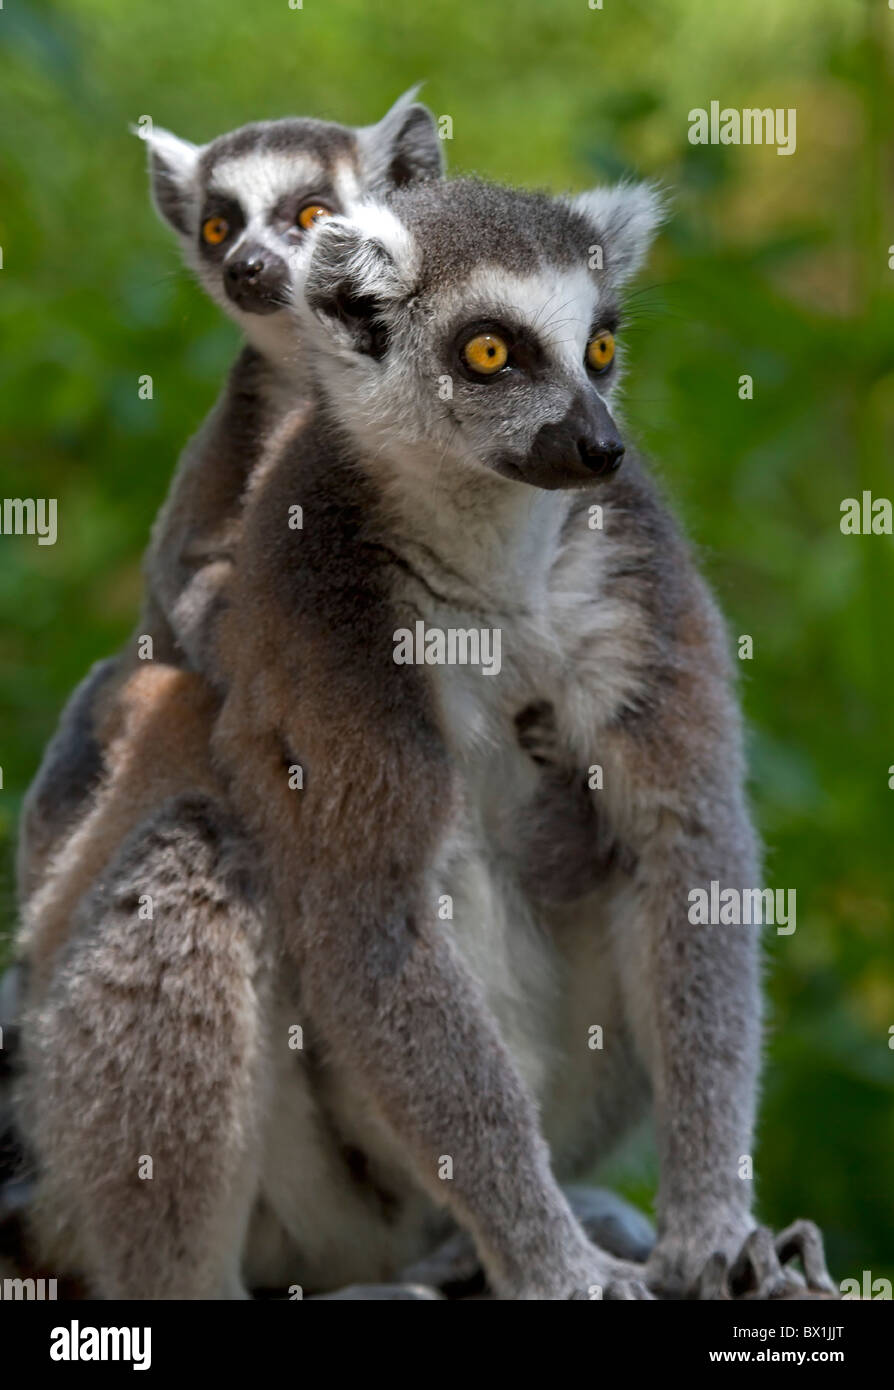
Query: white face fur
{"x": 244, "y": 193}
{"x": 243, "y": 206}
{"x": 507, "y": 361}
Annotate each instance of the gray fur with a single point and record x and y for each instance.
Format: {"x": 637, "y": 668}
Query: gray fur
{"x": 129, "y": 999}
{"x": 464, "y": 1037}
{"x": 674, "y": 775}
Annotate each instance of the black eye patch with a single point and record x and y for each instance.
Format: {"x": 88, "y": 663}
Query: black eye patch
{"x": 608, "y": 321}
{"x": 228, "y": 208}
{"x": 525, "y": 350}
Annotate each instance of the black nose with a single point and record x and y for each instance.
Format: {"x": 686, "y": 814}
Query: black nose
{"x": 246, "y": 272}
{"x": 601, "y": 456}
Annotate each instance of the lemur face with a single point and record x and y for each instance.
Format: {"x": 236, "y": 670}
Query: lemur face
{"x": 481, "y": 321}
{"x": 243, "y": 205}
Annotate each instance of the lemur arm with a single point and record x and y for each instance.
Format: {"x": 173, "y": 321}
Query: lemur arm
{"x": 190, "y": 557}
{"x": 674, "y": 778}
{"x": 693, "y": 996}
{"x": 673, "y": 794}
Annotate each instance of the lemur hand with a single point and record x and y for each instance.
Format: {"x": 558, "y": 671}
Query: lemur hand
{"x": 757, "y": 1266}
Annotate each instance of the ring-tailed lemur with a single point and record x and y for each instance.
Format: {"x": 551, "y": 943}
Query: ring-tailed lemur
{"x": 465, "y": 363}
{"x": 242, "y": 207}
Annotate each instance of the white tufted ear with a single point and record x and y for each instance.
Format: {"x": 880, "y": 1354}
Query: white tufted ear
{"x": 625, "y": 217}
{"x": 402, "y": 147}
{"x": 173, "y": 164}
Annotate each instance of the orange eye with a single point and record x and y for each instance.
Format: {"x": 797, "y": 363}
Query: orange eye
{"x": 601, "y": 352}
{"x": 311, "y": 213}
{"x": 215, "y": 230}
{"x": 485, "y": 354}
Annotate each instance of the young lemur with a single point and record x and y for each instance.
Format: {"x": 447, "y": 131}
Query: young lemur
{"x": 242, "y": 207}
{"x": 464, "y": 361}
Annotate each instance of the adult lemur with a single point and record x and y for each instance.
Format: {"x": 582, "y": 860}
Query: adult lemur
{"x": 390, "y": 917}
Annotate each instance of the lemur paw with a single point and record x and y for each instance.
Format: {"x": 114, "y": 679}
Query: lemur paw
{"x": 596, "y": 1277}
{"x": 759, "y": 1268}
{"x": 537, "y": 733}
{"x": 763, "y": 1269}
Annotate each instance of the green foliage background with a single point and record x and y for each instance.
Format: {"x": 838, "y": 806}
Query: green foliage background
{"x": 773, "y": 266}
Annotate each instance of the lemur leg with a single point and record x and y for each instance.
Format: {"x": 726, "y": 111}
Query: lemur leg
{"x": 144, "y": 1073}
{"x": 692, "y": 998}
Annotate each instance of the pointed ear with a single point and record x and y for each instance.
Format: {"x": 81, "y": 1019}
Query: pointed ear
{"x": 402, "y": 147}
{"x": 172, "y": 170}
{"x": 625, "y": 218}
{"x": 360, "y": 267}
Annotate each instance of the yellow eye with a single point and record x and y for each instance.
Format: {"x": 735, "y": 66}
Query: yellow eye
{"x": 215, "y": 230}
{"x": 313, "y": 212}
{"x": 485, "y": 354}
{"x": 601, "y": 352}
